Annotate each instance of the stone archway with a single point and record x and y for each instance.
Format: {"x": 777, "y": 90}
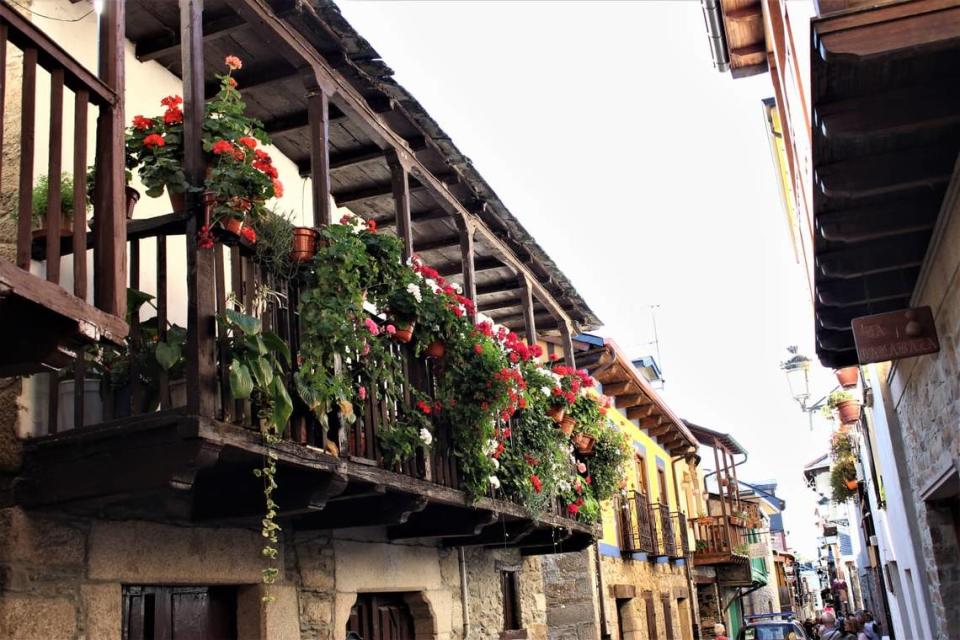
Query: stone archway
{"x": 406, "y": 615}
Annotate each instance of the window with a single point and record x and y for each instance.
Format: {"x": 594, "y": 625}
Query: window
{"x": 510, "y": 588}
{"x": 641, "y": 465}
{"x": 179, "y": 613}
{"x": 651, "y": 614}
{"x": 668, "y": 617}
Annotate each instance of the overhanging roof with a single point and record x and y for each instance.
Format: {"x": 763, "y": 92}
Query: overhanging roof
{"x": 885, "y": 92}
{"x": 713, "y": 438}
{"x": 632, "y": 394}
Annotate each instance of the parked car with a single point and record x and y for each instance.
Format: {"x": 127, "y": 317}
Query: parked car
{"x": 773, "y": 630}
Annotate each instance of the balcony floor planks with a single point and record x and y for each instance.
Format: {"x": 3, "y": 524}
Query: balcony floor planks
{"x": 146, "y": 466}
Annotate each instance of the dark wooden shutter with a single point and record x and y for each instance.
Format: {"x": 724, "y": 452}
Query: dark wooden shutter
{"x": 179, "y": 613}
{"x": 511, "y": 600}
{"x": 651, "y": 615}
{"x": 668, "y": 617}
{"x": 378, "y": 616}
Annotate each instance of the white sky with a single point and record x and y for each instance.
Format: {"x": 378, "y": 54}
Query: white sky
{"x": 646, "y": 175}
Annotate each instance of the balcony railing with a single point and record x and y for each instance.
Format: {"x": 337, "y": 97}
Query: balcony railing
{"x": 719, "y": 540}
{"x": 48, "y": 309}
{"x": 650, "y": 528}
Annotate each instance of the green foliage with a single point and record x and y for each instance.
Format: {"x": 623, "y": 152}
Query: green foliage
{"x": 274, "y": 243}
{"x": 41, "y": 199}
{"x": 841, "y": 446}
{"x": 838, "y": 397}
{"x": 842, "y": 471}
{"x": 610, "y": 454}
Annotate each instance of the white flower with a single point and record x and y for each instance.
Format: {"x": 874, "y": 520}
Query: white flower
{"x": 457, "y": 288}
{"x": 546, "y": 391}
{"x": 415, "y": 291}
{"x": 426, "y": 437}
{"x": 490, "y": 447}
{"x": 494, "y": 482}
{"x": 496, "y": 463}
{"x": 563, "y": 485}
{"x": 482, "y": 317}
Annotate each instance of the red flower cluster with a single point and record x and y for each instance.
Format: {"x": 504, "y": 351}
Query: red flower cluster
{"x": 263, "y": 163}
{"x": 173, "y": 114}
{"x": 372, "y": 225}
{"x": 248, "y": 142}
{"x": 536, "y": 482}
{"x": 205, "y": 237}
{"x": 222, "y": 147}
{"x": 153, "y": 140}
{"x": 424, "y": 407}
{"x": 249, "y": 234}
{"x": 140, "y": 123}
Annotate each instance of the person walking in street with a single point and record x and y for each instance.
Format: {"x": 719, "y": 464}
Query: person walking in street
{"x": 828, "y": 627}
{"x": 871, "y": 628}
{"x": 719, "y": 632}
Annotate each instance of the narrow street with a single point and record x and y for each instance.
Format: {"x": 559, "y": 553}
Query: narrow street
{"x": 480, "y": 320}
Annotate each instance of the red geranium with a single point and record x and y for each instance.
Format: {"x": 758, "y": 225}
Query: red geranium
{"x": 248, "y": 142}
{"x": 536, "y": 482}
{"x": 249, "y": 234}
{"x": 141, "y": 123}
{"x": 233, "y": 62}
{"x": 424, "y": 407}
{"x": 221, "y": 147}
{"x": 153, "y": 140}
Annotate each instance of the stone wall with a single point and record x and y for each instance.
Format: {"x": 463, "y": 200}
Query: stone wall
{"x": 571, "y": 596}
{"x": 62, "y": 578}
{"x": 926, "y": 393}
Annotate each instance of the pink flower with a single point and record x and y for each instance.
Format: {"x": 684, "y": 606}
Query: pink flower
{"x": 366, "y": 349}
{"x": 478, "y": 349}
{"x": 582, "y": 468}
{"x": 372, "y": 327}
{"x": 391, "y": 330}
{"x": 362, "y": 392}
{"x": 233, "y": 62}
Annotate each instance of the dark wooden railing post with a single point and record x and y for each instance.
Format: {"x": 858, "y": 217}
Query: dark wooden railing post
{"x": 526, "y": 299}
{"x": 467, "y": 255}
{"x": 318, "y": 114}
{"x": 201, "y": 362}
{"x": 28, "y": 121}
{"x": 54, "y": 211}
{"x": 110, "y": 207}
{"x": 566, "y": 332}
{"x": 400, "y": 180}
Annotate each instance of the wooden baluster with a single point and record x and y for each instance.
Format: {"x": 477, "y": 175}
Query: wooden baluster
{"x": 3, "y": 85}
{"x": 79, "y": 390}
{"x": 54, "y": 169}
{"x": 223, "y": 342}
{"x": 165, "y": 400}
{"x": 28, "y": 119}
{"x": 136, "y": 389}
{"x": 80, "y": 104}
{"x": 249, "y": 285}
{"x": 236, "y": 288}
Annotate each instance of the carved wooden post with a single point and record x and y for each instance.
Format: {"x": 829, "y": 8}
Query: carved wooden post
{"x": 467, "y": 255}
{"x": 400, "y": 180}
{"x": 566, "y": 333}
{"x": 318, "y": 114}
{"x": 526, "y": 299}
{"x": 201, "y": 363}
{"x": 110, "y": 255}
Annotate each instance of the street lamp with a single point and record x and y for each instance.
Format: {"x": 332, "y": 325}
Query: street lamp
{"x": 797, "y": 369}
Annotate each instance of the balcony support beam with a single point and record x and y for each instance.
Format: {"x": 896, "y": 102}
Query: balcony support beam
{"x": 468, "y": 254}
{"x": 529, "y": 319}
{"x": 318, "y": 115}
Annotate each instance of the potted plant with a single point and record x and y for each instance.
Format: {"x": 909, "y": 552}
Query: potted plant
{"x": 240, "y": 176}
{"x": 846, "y": 405}
{"x": 843, "y": 479}
{"x": 848, "y": 376}
{"x": 41, "y": 200}
{"x": 701, "y": 546}
{"x": 303, "y": 243}
{"x": 585, "y": 411}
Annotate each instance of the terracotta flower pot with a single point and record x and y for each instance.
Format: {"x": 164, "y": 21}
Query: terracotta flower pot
{"x": 852, "y": 485}
{"x": 233, "y": 225}
{"x": 435, "y": 349}
{"x": 567, "y": 424}
{"x": 404, "y": 332}
{"x": 584, "y": 443}
{"x": 133, "y": 196}
{"x": 304, "y": 244}
{"x": 847, "y": 377}
{"x": 556, "y": 413}
{"x": 178, "y": 201}
{"x": 849, "y": 411}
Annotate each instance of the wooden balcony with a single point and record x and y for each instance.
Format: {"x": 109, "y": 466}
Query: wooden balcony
{"x": 720, "y": 540}
{"x": 51, "y": 319}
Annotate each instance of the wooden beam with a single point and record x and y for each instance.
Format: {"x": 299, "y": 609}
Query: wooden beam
{"x": 507, "y": 285}
{"x": 319, "y": 117}
{"x": 357, "y": 196}
{"x": 888, "y": 254}
{"x": 529, "y": 318}
{"x": 888, "y": 174}
{"x": 640, "y": 412}
{"x": 199, "y": 356}
{"x": 400, "y": 185}
{"x": 881, "y": 220}
{"x": 444, "y": 522}
{"x": 416, "y": 216}
{"x": 505, "y": 303}
{"x": 651, "y": 422}
{"x": 441, "y": 242}
{"x": 628, "y": 400}
{"x": 256, "y": 77}
{"x": 391, "y": 509}
{"x": 214, "y": 27}
{"x": 497, "y": 533}
{"x": 485, "y": 263}
{"x": 363, "y": 155}
{"x": 566, "y": 334}
{"x": 468, "y": 260}
{"x": 620, "y": 387}
{"x": 656, "y": 432}
{"x": 901, "y": 113}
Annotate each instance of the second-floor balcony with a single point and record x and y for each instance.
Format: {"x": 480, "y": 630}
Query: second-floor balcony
{"x": 720, "y": 540}
{"x": 649, "y": 527}
{"x": 147, "y": 424}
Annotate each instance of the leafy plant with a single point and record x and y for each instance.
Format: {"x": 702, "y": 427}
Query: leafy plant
{"x": 274, "y": 232}
{"x": 842, "y": 472}
{"x": 841, "y": 446}
{"x": 41, "y": 199}
{"x": 838, "y": 397}
{"x": 742, "y": 549}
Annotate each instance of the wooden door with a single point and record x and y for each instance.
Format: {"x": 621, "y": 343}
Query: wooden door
{"x": 381, "y": 616}
{"x": 179, "y": 613}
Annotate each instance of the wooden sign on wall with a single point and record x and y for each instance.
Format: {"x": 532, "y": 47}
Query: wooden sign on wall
{"x": 895, "y": 335}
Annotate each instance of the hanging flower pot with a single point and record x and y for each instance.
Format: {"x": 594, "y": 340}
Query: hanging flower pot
{"x": 847, "y": 377}
{"x": 852, "y": 485}
{"x": 133, "y": 196}
{"x": 567, "y": 424}
{"x": 304, "y": 244}
{"x": 584, "y": 443}
{"x": 404, "y": 332}
{"x": 556, "y": 413}
{"x": 231, "y": 225}
{"x": 178, "y": 201}
{"x": 435, "y": 349}
{"x": 849, "y": 411}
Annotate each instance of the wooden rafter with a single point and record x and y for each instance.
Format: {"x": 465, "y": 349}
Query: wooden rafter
{"x": 640, "y": 412}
